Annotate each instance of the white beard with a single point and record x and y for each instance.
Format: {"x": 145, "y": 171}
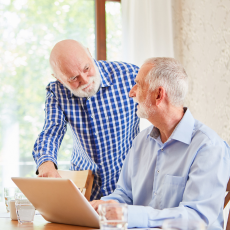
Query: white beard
{"x": 142, "y": 110}
{"x": 92, "y": 90}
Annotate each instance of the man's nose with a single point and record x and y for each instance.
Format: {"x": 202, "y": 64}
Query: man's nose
{"x": 132, "y": 92}
{"x": 84, "y": 79}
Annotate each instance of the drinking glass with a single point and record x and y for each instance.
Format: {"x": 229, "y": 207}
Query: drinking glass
{"x": 9, "y": 193}
{"x": 13, "y": 214}
{"x": 181, "y": 224}
{"x": 24, "y": 209}
{"x": 113, "y": 216}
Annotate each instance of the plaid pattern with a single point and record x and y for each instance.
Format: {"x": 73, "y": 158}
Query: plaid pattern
{"x": 103, "y": 126}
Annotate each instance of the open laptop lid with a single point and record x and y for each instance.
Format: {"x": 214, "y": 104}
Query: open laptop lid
{"x": 58, "y": 200}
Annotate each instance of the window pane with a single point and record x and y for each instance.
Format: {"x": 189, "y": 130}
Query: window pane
{"x": 113, "y": 31}
{"x": 28, "y": 31}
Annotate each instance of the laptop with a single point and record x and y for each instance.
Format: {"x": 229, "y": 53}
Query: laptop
{"x": 58, "y": 200}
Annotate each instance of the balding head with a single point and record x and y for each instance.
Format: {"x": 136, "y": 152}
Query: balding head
{"x": 74, "y": 67}
{"x": 66, "y": 54}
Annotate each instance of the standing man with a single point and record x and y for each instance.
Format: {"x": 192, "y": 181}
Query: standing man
{"x": 93, "y": 98}
{"x": 178, "y": 168}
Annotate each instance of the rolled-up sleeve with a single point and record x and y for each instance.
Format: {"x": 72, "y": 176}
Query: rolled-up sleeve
{"x": 49, "y": 140}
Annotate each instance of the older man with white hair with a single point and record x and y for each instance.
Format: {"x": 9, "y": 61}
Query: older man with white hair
{"x": 93, "y": 98}
{"x": 176, "y": 168}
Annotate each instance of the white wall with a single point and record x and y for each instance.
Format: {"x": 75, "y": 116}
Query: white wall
{"x": 202, "y": 44}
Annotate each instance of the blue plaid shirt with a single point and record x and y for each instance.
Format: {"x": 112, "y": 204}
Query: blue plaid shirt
{"x": 103, "y": 126}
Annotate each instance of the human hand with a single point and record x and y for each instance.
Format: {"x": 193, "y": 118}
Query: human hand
{"x": 48, "y": 169}
{"x": 96, "y": 203}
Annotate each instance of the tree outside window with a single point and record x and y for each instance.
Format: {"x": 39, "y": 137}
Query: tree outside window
{"x": 28, "y": 31}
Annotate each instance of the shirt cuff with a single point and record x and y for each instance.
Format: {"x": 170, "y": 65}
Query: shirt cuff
{"x": 45, "y": 158}
{"x": 137, "y": 216}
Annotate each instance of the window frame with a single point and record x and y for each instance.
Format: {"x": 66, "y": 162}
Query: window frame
{"x": 100, "y": 25}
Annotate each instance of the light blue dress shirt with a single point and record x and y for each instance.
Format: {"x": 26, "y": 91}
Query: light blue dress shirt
{"x": 185, "y": 177}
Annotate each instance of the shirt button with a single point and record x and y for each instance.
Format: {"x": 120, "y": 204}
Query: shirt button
{"x": 162, "y": 149}
{"x": 92, "y": 116}
{"x": 155, "y": 193}
{"x": 96, "y": 134}
{"x": 158, "y": 171}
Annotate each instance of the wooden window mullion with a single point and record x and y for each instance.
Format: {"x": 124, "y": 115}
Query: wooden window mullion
{"x": 101, "y": 28}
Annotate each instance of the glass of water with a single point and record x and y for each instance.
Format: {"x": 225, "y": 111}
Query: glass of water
{"x": 9, "y": 193}
{"x": 181, "y": 224}
{"x": 24, "y": 209}
{"x": 113, "y": 216}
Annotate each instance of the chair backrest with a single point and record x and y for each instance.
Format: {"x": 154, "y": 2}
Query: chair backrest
{"x": 227, "y": 197}
{"x": 226, "y": 200}
{"x": 82, "y": 179}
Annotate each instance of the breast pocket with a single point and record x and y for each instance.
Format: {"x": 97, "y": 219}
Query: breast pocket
{"x": 172, "y": 191}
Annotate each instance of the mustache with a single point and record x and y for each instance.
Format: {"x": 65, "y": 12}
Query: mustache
{"x": 135, "y": 100}
{"x": 91, "y": 80}
{"x": 86, "y": 85}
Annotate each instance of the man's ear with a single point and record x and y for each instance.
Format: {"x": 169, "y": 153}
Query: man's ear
{"x": 56, "y": 78}
{"x": 159, "y": 95}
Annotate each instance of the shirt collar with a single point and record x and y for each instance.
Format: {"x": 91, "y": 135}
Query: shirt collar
{"x": 105, "y": 77}
{"x": 105, "y": 74}
{"x": 182, "y": 132}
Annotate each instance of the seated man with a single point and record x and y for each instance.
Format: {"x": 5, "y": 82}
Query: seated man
{"x": 177, "y": 168}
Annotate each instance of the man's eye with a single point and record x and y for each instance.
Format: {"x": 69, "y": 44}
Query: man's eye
{"x": 72, "y": 78}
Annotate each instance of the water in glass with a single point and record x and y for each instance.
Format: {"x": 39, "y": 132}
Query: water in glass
{"x": 25, "y": 212}
{"x": 112, "y": 225}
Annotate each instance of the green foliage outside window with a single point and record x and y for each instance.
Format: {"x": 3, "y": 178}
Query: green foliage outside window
{"x": 28, "y": 31}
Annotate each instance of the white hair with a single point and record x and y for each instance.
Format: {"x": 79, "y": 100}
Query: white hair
{"x": 169, "y": 74}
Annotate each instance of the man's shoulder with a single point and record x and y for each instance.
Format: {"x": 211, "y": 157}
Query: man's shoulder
{"x": 206, "y": 134}
{"x": 56, "y": 88}
{"x": 117, "y": 66}
{"x": 143, "y": 135}
{"x": 55, "y": 85}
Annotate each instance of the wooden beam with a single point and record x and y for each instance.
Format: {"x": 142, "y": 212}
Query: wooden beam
{"x": 100, "y": 30}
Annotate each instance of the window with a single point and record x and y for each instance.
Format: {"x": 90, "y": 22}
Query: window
{"x": 113, "y": 31}
{"x": 28, "y": 31}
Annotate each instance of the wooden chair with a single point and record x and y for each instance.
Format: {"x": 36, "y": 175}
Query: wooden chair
{"x": 227, "y": 199}
{"x": 82, "y": 179}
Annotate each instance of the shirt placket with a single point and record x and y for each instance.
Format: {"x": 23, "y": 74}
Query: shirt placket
{"x": 92, "y": 126}
{"x": 156, "y": 185}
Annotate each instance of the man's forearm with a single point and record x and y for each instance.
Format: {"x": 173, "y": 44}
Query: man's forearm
{"x": 43, "y": 159}
{"x": 46, "y": 164}
{"x": 47, "y": 169}
{"x": 48, "y": 142}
